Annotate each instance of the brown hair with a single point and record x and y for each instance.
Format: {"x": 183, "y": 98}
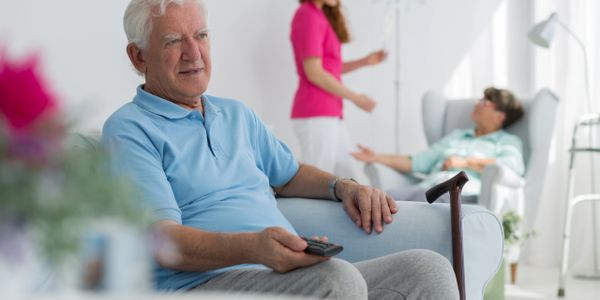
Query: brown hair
{"x": 505, "y": 102}
{"x": 336, "y": 20}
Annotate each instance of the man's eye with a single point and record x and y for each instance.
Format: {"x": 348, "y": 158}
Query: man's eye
{"x": 173, "y": 42}
{"x": 203, "y": 36}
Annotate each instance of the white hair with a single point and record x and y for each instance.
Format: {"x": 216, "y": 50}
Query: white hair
{"x": 138, "y": 18}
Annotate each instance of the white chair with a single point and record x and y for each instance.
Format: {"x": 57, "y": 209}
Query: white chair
{"x": 502, "y": 189}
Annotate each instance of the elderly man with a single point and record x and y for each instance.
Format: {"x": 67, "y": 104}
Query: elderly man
{"x": 468, "y": 149}
{"x": 206, "y": 168}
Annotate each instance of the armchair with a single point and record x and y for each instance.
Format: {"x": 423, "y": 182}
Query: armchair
{"x": 502, "y": 189}
{"x": 415, "y": 226}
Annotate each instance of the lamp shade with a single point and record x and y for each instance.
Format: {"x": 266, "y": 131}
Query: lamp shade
{"x": 543, "y": 33}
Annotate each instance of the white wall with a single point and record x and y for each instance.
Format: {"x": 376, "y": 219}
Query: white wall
{"x": 83, "y": 44}
{"x": 254, "y": 63}
{"x": 82, "y": 47}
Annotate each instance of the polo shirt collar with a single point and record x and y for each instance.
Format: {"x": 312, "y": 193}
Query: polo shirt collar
{"x": 166, "y": 108}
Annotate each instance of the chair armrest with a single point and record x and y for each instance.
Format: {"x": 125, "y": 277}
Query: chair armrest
{"x": 502, "y": 190}
{"x": 416, "y": 226}
{"x": 386, "y": 178}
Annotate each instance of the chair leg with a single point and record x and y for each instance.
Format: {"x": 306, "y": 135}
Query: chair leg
{"x": 513, "y": 272}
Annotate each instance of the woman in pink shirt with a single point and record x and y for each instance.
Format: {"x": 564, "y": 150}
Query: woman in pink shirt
{"x": 318, "y": 31}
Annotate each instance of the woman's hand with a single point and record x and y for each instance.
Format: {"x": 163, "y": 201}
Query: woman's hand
{"x": 364, "y": 102}
{"x": 376, "y": 57}
{"x": 455, "y": 162}
{"x": 365, "y": 155}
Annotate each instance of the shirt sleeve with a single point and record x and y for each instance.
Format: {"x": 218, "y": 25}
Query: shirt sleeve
{"x": 133, "y": 155}
{"x": 308, "y": 35}
{"x": 273, "y": 157}
{"x": 510, "y": 154}
{"x": 424, "y": 162}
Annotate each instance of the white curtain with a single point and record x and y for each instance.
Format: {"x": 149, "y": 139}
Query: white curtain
{"x": 502, "y": 56}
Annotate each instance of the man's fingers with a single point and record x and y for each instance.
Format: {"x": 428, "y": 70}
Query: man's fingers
{"x": 296, "y": 260}
{"x": 385, "y": 209}
{"x": 391, "y": 204}
{"x": 289, "y": 240}
{"x": 320, "y": 238}
{"x": 353, "y": 212}
{"x": 376, "y": 212}
{"x": 364, "y": 205}
{"x": 309, "y": 260}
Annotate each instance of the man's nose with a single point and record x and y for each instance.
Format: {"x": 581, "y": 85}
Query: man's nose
{"x": 191, "y": 50}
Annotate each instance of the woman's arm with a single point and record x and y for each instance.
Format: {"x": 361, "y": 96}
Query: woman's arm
{"x": 369, "y": 60}
{"x": 313, "y": 68}
{"x": 474, "y": 163}
{"x": 400, "y": 163}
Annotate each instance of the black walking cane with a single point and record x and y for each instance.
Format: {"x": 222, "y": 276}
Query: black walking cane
{"x": 454, "y": 186}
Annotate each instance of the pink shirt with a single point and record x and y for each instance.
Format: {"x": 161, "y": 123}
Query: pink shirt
{"x": 313, "y": 36}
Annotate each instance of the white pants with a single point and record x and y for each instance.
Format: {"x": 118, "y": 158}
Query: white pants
{"x": 325, "y": 144}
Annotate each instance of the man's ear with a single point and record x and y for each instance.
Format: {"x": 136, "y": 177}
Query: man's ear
{"x": 136, "y": 57}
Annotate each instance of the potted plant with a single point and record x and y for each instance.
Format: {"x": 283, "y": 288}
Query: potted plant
{"x": 513, "y": 239}
{"x": 50, "y": 193}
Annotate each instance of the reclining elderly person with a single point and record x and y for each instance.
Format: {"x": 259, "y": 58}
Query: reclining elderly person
{"x": 470, "y": 150}
{"x": 206, "y": 168}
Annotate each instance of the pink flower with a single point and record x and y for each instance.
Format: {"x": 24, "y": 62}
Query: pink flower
{"x": 24, "y": 98}
{"x": 29, "y": 114}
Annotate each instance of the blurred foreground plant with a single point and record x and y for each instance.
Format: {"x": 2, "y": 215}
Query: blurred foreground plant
{"x": 50, "y": 190}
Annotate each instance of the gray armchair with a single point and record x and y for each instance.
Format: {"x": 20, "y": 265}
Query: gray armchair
{"x": 502, "y": 189}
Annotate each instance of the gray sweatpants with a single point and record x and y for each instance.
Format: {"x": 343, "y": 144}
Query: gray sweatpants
{"x": 414, "y": 274}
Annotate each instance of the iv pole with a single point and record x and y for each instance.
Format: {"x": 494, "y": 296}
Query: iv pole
{"x": 395, "y": 32}
{"x": 397, "y": 78}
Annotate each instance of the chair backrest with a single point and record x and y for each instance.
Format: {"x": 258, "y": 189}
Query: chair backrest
{"x": 442, "y": 116}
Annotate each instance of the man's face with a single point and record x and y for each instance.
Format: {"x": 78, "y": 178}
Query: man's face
{"x": 177, "y": 62}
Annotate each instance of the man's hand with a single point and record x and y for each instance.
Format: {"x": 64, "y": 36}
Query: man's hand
{"x": 368, "y": 207}
{"x": 365, "y": 155}
{"x": 455, "y": 162}
{"x": 282, "y": 251}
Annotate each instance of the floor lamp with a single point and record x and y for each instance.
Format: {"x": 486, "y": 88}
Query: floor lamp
{"x": 542, "y": 35}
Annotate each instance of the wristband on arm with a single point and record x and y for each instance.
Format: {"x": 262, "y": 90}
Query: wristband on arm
{"x": 332, "y": 184}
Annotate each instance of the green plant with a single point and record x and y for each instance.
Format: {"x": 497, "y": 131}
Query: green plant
{"x": 512, "y": 223}
{"x": 50, "y": 191}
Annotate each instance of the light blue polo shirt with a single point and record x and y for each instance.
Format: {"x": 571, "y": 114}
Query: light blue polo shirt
{"x": 505, "y": 147}
{"x": 212, "y": 172}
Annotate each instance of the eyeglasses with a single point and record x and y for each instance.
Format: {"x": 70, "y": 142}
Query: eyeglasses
{"x": 486, "y": 103}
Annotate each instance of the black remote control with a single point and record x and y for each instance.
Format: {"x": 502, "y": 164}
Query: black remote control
{"x": 319, "y": 248}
